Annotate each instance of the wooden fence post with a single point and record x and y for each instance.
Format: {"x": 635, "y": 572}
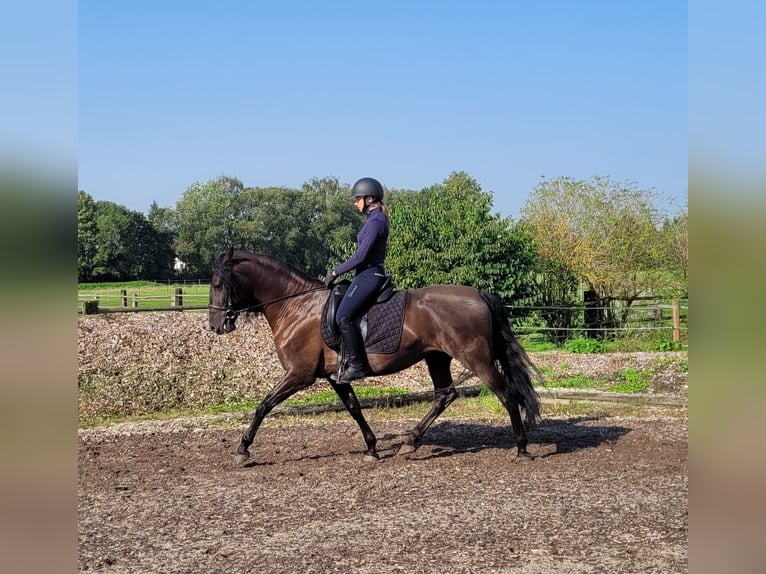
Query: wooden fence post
{"x": 592, "y": 313}
{"x": 90, "y": 307}
{"x": 178, "y": 298}
{"x": 124, "y": 297}
{"x": 135, "y": 299}
{"x": 676, "y": 320}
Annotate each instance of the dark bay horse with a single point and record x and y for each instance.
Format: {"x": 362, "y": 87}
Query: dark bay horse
{"x": 441, "y": 323}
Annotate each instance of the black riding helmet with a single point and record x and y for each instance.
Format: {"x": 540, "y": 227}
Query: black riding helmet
{"x": 368, "y": 186}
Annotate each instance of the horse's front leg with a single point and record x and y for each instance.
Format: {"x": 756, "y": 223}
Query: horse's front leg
{"x": 348, "y": 396}
{"x": 287, "y": 387}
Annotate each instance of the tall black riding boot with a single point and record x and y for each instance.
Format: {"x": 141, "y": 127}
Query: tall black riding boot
{"x": 354, "y": 347}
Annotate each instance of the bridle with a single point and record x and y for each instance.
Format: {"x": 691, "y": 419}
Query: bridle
{"x": 232, "y": 313}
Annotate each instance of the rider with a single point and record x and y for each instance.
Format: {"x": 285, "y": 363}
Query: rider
{"x": 368, "y": 265}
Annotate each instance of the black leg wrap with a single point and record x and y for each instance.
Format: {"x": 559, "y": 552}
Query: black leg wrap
{"x": 445, "y": 395}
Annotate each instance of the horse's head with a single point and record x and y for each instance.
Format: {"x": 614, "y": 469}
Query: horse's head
{"x": 221, "y": 312}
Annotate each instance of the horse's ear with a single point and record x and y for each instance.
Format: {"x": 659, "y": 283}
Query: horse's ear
{"x": 229, "y": 255}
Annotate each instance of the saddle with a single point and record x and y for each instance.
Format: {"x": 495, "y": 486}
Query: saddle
{"x": 380, "y": 325}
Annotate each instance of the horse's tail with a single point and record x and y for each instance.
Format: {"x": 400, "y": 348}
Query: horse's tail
{"x": 515, "y": 365}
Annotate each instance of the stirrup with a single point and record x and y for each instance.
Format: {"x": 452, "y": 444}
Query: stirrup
{"x": 352, "y": 373}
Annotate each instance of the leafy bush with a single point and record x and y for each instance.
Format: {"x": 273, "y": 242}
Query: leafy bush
{"x": 631, "y": 381}
{"x": 666, "y": 343}
{"x": 584, "y": 345}
{"x": 577, "y": 382}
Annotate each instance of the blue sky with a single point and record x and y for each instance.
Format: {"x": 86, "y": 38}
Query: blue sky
{"x": 277, "y": 92}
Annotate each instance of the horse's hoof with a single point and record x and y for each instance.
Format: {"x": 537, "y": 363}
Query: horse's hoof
{"x": 524, "y": 457}
{"x": 239, "y": 458}
{"x": 406, "y": 449}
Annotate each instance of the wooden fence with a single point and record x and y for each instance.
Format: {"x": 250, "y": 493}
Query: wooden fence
{"x": 655, "y": 317}
{"x": 90, "y": 305}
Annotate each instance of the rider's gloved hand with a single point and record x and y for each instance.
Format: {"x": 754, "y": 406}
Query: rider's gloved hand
{"x": 330, "y": 279}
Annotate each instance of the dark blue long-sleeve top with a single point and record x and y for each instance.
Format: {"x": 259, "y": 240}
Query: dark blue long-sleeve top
{"x": 372, "y": 242}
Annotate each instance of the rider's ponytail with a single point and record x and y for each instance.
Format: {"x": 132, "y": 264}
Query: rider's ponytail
{"x": 384, "y": 209}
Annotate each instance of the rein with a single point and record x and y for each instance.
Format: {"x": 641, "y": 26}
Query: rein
{"x": 232, "y": 313}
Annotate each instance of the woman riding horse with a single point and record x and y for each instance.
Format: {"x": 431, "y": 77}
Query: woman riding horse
{"x": 368, "y": 265}
{"x": 440, "y": 323}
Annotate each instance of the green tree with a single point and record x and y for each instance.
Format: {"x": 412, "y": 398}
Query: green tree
{"x": 334, "y": 224}
{"x": 128, "y": 247}
{"x": 208, "y": 219}
{"x": 163, "y": 223}
{"x": 556, "y": 291}
{"x": 447, "y": 233}
{"x": 602, "y": 232}
{"x": 87, "y": 231}
{"x": 163, "y": 219}
{"x": 308, "y": 228}
{"x": 272, "y": 223}
{"x": 675, "y": 252}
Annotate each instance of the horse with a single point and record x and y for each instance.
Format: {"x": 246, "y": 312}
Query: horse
{"x": 441, "y": 323}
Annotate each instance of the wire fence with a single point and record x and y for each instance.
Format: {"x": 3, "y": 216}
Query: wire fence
{"x": 564, "y": 322}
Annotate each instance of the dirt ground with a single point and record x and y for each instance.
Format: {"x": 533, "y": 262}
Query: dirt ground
{"x": 607, "y": 492}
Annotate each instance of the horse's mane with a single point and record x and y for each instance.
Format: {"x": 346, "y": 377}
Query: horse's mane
{"x": 223, "y": 266}
{"x": 275, "y": 262}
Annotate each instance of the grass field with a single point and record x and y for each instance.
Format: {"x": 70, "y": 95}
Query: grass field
{"x": 145, "y": 293}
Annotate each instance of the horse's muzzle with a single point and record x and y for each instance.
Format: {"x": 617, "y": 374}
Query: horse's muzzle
{"x": 227, "y": 326}
{"x": 229, "y": 320}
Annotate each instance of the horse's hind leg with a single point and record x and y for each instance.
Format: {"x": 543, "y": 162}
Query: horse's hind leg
{"x": 444, "y": 393}
{"x": 496, "y": 383}
{"x": 512, "y": 406}
{"x": 347, "y": 395}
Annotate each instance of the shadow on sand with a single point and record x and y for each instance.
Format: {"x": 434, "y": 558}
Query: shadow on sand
{"x": 549, "y": 438}
{"x": 448, "y": 438}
